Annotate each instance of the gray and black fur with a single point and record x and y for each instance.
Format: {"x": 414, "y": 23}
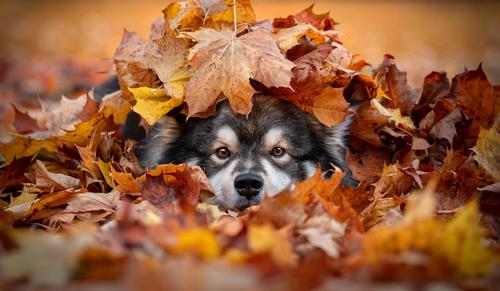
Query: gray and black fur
{"x": 252, "y": 168}
{"x": 308, "y": 144}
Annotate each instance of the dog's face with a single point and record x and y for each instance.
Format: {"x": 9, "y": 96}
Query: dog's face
{"x": 248, "y": 157}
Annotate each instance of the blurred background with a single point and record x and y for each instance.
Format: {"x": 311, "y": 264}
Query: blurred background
{"x": 51, "y": 46}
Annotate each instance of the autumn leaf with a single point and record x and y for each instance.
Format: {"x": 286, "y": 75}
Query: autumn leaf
{"x": 394, "y": 83}
{"x": 442, "y": 241}
{"x": 201, "y": 242}
{"x": 54, "y": 181}
{"x": 167, "y": 57}
{"x": 24, "y": 123}
{"x": 287, "y": 38}
{"x": 476, "y": 98}
{"x": 152, "y": 104}
{"x": 244, "y": 12}
{"x": 487, "y": 150}
{"x": 226, "y": 63}
{"x": 192, "y": 15}
{"x": 393, "y": 114}
{"x": 43, "y": 258}
{"x": 339, "y": 59}
{"x": 132, "y": 63}
{"x": 320, "y": 21}
{"x": 22, "y": 147}
{"x": 266, "y": 239}
{"x": 446, "y": 128}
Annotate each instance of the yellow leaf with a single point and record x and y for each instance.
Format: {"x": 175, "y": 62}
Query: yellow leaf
{"x": 22, "y": 146}
{"x": 25, "y": 197}
{"x": 457, "y": 243}
{"x": 167, "y": 57}
{"x": 266, "y": 239}
{"x": 393, "y": 114}
{"x": 200, "y": 241}
{"x": 244, "y": 12}
{"x": 105, "y": 171}
{"x": 152, "y": 104}
{"x": 487, "y": 151}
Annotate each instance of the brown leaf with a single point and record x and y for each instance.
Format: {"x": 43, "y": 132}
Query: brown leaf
{"x": 169, "y": 186}
{"x": 167, "y": 57}
{"x": 446, "y": 127}
{"x": 476, "y": 98}
{"x": 367, "y": 124}
{"x": 53, "y": 181}
{"x": 87, "y": 202}
{"x": 225, "y": 64}
{"x": 132, "y": 64}
{"x": 393, "y": 82}
{"x": 24, "y": 123}
{"x": 436, "y": 86}
{"x": 320, "y": 21}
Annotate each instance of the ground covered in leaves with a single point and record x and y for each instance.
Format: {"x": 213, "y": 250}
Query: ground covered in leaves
{"x": 77, "y": 210}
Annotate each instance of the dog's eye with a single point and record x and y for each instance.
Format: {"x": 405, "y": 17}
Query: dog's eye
{"x": 278, "y": 152}
{"x": 222, "y": 153}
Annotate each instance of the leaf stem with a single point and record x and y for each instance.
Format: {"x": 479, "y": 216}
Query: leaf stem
{"x": 234, "y": 16}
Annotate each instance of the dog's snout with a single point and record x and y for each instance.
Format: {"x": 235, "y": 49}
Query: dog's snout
{"x": 248, "y": 185}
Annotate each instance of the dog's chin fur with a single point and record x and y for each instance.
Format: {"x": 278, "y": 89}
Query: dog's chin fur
{"x": 251, "y": 142}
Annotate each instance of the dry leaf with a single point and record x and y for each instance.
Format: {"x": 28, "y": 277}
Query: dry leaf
{"x": 225, "y": 64}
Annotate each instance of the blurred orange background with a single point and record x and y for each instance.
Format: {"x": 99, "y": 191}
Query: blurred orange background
{"x": 422, "y": 35}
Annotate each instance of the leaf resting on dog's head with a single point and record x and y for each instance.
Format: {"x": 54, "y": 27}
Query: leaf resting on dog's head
{"x": 224, "y": 64}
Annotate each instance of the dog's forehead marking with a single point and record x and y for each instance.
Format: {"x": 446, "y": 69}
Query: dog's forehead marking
{"x": 227, "y": 135}
{"x": 272, "y": 137}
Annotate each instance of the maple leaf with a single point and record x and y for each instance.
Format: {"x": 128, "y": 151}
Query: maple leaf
{"x": 446, "y": 127}
{"x": 244, "y": 12}
{"x": 393, "y": 114}
{"x": 393, "y": 82}
{"x": 287, "y": 38}
{"x": 310, "y": 93}
{"x": 166, "y": 55}
{"x": 22, "y": 147}
{"x": 444, "y": 242}
{"x": 169, "y": 186}
{"x": 225, "y": 64}
{"x": 24, "y": 123}
{"x": 320, "y": 21}
{"x": 190, "y": 15}
{"x": 339, "y": 59}
{"x": 266, "y": 239}
{"x": 63, "y": 116}
{"x": 436, "y": 86}
{"x": 132, "y": 64}
{"x": 487, "y": 150}
{"x": 321, "y": 231}
{"x": 199, "y": 241}
{"x": 152, "y": 104}
{"x": 477, "y": 99}
{"x": 89, "y": 201}
{"x": 44, "y": 258}
{"x": 113, "y": 105}
{"x": 126, "y": 182}
{"x": 54, "y": 181}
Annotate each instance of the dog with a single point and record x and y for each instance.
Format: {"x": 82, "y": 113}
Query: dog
{"x": 243, "y": 157}
{"x": 246, "y": 158}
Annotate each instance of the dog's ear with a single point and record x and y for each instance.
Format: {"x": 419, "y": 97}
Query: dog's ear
{"x": 164, "y": 133}
{"x": 336, "y": 141}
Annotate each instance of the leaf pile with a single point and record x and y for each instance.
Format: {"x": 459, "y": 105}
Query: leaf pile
{"x": 77, "y": 207}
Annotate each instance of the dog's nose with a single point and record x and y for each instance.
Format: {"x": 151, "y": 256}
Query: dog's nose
{"x": 248, "y": 185}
